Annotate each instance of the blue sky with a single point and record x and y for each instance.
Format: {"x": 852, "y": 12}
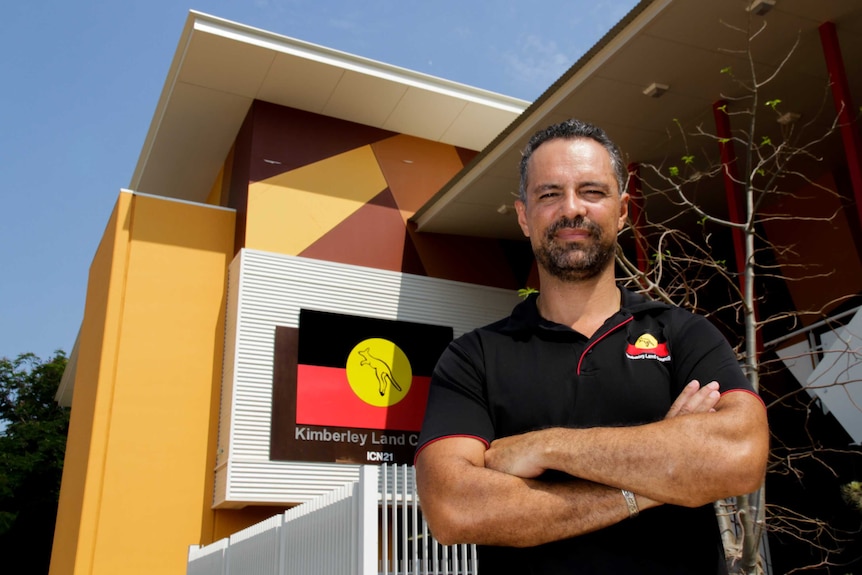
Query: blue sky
{"x": 81, "y": 80}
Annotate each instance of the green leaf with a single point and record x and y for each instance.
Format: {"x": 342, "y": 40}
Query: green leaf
{"x": 688, "y": 160}
{"x": 674, "y": 171}
{"x": 524, "y": 293}
{"x": 766, "y": 141}
{"x": 723, "y": 140}
{"x": 761, "y": 172}
{"x": 773, "y": 103}
{"x": 726, "y": 70}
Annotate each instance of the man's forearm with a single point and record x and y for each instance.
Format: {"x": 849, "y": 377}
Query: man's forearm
{"x": 469, "y": 504}
{"x": 688, "y": 460}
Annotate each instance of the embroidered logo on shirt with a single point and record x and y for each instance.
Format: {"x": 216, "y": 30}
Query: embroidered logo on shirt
{"x": 648, "y": 347}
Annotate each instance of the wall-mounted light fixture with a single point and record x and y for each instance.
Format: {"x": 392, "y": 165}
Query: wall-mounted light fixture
{"x": 656, "y": 90}
{"x": 761, "y": 7}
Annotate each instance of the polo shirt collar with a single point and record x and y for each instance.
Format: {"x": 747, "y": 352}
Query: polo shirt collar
{"x": 526, "y": 317}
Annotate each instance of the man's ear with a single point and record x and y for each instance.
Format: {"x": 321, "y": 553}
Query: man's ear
{"x": 624, "y": 211}
{"x": 521, "y": 208}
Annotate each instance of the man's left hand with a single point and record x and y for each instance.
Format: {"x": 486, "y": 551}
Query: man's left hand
{"x": 519, "y": 455}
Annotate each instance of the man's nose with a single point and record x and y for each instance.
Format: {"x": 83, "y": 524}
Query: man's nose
{"x": 572, "y": 204}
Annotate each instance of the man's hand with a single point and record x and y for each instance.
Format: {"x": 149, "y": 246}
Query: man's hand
{"x": 521, "y": 455}
{"x": 695, "y": 399}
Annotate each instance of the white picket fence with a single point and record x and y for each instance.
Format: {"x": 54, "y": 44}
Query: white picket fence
{"x": 371, "y": 527}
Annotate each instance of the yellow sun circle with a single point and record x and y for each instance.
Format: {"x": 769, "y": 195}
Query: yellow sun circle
{"x": 378, "y": 371}
{"x": 646, "y": 341}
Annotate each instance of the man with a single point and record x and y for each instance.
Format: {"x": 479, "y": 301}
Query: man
{"x": 573, "y": 436}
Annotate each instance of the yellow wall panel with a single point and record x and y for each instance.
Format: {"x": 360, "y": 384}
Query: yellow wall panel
{"x": 80, "y": 496}
{"x": 152, "y": 486}
{"x": 289, "y": 212}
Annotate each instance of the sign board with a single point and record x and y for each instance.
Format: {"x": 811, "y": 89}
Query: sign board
{"x": 351, "y": 389}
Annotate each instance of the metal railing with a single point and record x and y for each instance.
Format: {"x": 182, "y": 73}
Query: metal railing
{"x": 370, "y": 527}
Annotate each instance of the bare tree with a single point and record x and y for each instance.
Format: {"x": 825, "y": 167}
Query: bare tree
{"x": 716, "y": 258}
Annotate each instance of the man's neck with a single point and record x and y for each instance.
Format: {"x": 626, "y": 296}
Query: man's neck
{"x": 582, "y": 305}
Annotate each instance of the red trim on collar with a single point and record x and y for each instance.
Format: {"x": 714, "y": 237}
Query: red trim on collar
{"x": 600, "y": 338}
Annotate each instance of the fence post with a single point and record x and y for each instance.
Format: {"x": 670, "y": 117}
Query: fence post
{"x": 367, "y": 523}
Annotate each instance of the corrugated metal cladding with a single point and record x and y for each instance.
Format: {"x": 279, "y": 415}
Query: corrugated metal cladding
{"x": 268, "y": 290}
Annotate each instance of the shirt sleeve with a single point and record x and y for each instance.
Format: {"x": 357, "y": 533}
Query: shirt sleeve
{"x": 701, "y": 352}
{"x": 457, "y": 404}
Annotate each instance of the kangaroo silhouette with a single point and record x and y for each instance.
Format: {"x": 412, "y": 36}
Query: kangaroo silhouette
{"x": 382, "y": 371}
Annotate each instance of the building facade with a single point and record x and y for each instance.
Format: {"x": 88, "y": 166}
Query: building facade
{"x": 281, "y": 179}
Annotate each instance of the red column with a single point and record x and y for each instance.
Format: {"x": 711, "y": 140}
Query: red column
{"x": 635, "y": 211}
{"x": 844, "y": 107}
{"x": 736, "y": 211}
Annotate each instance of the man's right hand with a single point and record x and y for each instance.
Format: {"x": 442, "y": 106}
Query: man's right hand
{"x": 695, "y": 399}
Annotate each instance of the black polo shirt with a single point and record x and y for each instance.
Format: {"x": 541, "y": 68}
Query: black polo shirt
{"x": 525, "y": 373}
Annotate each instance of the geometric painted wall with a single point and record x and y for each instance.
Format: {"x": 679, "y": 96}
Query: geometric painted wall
{"x": 315, "y": 186}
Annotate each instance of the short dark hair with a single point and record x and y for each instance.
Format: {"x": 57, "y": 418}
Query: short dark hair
{"x": 570, "y": 130}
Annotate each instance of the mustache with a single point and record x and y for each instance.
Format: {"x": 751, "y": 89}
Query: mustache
{"x": 576, "y": 223}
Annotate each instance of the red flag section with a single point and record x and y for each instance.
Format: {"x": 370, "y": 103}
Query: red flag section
{"x": 324, "y": 397}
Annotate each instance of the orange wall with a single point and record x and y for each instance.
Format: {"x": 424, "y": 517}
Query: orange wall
{"x": 137, "y": 486}
{"x": 817, "y": 252}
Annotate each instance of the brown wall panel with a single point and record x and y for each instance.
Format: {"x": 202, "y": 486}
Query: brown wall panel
{"x": 286, "y": 139}
{"x": 466, "y": 155}
{"x": 473, "y": 260}
{"x": 373, "y": 236}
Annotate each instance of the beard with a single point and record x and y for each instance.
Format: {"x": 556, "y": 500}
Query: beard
{"x": 571, "y": 261}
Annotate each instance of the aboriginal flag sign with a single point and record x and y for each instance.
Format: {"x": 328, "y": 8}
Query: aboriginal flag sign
{"x": 351, "y": 389}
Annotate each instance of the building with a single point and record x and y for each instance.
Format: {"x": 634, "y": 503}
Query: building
{"x": 280, "y": 177}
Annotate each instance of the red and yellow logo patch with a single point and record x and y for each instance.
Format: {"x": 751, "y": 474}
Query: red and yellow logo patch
{"x": 648, "y": 347}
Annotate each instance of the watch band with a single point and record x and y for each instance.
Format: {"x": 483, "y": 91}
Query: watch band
{"x": 631, "y": 502}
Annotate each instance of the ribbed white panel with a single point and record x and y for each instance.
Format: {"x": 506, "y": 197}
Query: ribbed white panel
{"x": 268, "y": 290}
{"x": 339, "y": 533}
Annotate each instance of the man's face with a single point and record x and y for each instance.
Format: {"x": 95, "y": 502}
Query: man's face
{"x": 574, "y": 209}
